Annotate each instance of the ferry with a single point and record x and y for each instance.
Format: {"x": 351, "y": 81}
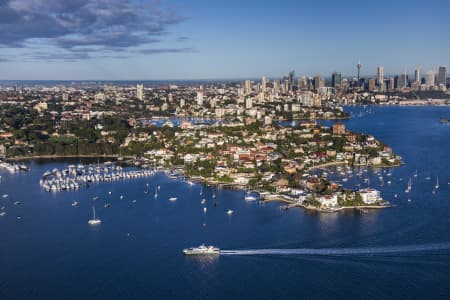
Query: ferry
{"x": 202, "y": 250}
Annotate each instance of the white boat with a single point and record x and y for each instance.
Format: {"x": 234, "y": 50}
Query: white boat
{"x": 2, "y": 213}
{"x": 230, "y": 212}
{"x": 250, "y": 197}
{"x": 5, "y": 196}
{"x": 173, "y": 199}
{"x": 94, "y": 220}
{"x": 437, "y": 183}
{"x": 204, "y": 210}
{"x": 75, "y": 203}
{"x": 202, "y": 250}
{"x": 408, "y": 189}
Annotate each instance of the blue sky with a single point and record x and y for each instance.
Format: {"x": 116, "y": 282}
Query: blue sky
{"x": 174, "y": 39}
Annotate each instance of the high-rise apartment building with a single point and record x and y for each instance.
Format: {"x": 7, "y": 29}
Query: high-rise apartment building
{"x": 140, "y": 91}
{"x": 380, "y": 76}
{"x": 248, "y": 87}
{"x": 418, "y": 75}
{"x": 430, "y": 79}
{"x": 442, "y": 75}
{"x": 336, "y": 79}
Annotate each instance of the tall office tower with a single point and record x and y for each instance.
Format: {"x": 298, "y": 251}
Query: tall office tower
{"x": 402, "y": 81}
{"x": 442, "y": 75}
{"x": 318, "y": 82}
{"x": 391, "y": 84}
{"x": 140, "y": 91}
{"x": 263, "y": 84}
{"x": 380, "y": 76}
{"x": 286, "y": 85}
{"x": 371, "y": 85}
{"x": 248, "y": 87}
{"x": 291, "y": 78}
{"x": 336, "y": 80}
{"x": 358, "y": 67}
{"x": 302, "y": 83}
{"x": 430, "y": 79}
{"x": 200, "y": 98}
{"x": 276, "y": 86}
{"x": 418, "y": 75}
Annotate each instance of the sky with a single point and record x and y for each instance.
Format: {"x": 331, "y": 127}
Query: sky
{"x": 212, "y": 39}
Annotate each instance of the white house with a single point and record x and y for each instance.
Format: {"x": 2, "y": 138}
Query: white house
{"x": 328, "y": 200}
{"x": 370, "y": 196}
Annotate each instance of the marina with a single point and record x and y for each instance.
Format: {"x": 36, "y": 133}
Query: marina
{"x": 75, "y": 177}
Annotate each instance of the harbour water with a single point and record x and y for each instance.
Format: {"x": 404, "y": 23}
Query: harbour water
{"x": 52, "y": 253}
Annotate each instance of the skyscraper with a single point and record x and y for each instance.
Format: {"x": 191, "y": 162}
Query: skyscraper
{"x": 291, "y": 77}
{"x": 263, "y": 84}
{"x": 418, "y": 75}
{"x": 430, "y": 79}
{"x": 140, "y": 91}
{"x": 318, "y": 82}
{"x": 380, "y": 76}
{"x": 402, "y": 81}
{"x": 442, "y": 75}
{"x": 336, "y": 79}
{"x": 248, "y": 87}
{"x": 371, "y": 85}
{"x": 199, "y": 98}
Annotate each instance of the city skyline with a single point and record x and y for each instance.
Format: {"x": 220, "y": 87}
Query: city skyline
{"x": 171, "y": 40}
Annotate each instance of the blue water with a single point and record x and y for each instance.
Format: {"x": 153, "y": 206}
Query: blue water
{"x": 52, "y": 253}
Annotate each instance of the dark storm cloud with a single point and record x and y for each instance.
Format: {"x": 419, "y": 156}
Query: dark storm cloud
{"x": 111, "y": 25}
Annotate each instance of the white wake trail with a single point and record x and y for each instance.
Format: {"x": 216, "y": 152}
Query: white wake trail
{"x": 342, "y": 251}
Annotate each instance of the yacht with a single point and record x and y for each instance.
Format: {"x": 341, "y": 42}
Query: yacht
{"x": 2, "y": 213}
{"x": 173, "y": 199}
{"x": 250, "y": 197}
{"x": 202, "y": 250}
{"x": 437, "y": 183}
{"x": 203, "y": 201}
{"x": 107, "y": 205}
{"x": 230, "y": 212}
{"x": 94, "y": 220}
{"x": 75, "y": 203}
